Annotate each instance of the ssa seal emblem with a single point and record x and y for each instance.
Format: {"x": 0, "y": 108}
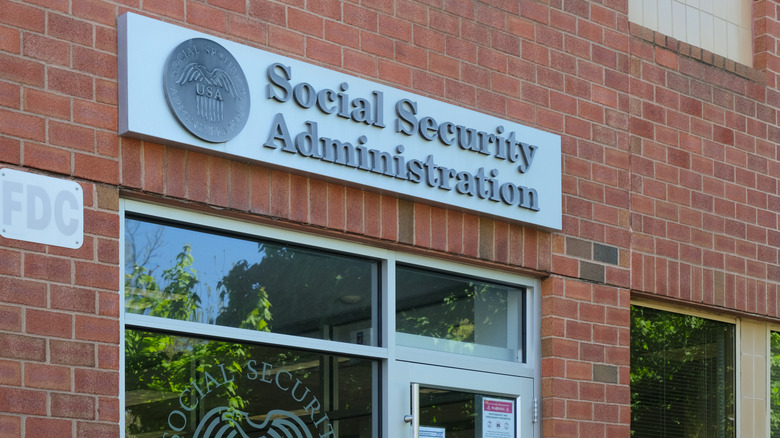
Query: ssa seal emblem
{"x": 206, "y": 89}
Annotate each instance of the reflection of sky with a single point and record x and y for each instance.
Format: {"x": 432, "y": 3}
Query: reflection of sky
{"x": 213, "y": 256}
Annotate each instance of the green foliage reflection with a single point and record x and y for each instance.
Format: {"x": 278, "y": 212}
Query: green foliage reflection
{"x": 774, "y": 388}
{"x": 168, "y": 372}
{"x": 682, "y": 375}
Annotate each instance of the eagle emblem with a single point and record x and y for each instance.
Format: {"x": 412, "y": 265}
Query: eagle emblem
{"x": 209, "y": 88}
{"x": 206, "y": 90}
{"x": 219, "y": 423}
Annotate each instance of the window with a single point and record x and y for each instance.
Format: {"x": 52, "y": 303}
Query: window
{"x": 722, "y": 27}
{"x": 232, "y": 328}
{"x": 446, "y": 312}
{"x": 179, "y": 384}
{"x": 184, "y": 273}
{"x": 774, "y": 384}
{"x": 682, "y": 375}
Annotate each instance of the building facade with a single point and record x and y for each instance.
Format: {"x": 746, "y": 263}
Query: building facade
{"x": 264, "y": 253}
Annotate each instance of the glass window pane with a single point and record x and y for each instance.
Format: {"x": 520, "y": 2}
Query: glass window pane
{"x": 456, "y": 314}
{"x": 183, "y": 386}
{"x": 774, "y": 388}
{"x": 196, "y": 275}
{"x": 682, "y": 375}
{"x": 458, "y": 414}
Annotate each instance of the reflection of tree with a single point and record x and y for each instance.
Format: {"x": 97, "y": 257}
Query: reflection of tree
{"x": 447, "y": 307}
{"x": 452, "y": 410}
{"x": 161, "y": 366}
{"x": 682, "y": 375}
{"x": 307, "y": 286}
{"x": 158, "y": 363}
{"x": 774, "y": 389}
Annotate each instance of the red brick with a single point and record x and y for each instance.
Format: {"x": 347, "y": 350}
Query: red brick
{"x": 23, "y": 16}
{"x": 70, "y": 29}
{"x": 46, "y": 49}
{"x": 395, "y": 73}
{"x": 395, "y": 28}
{"x": 95, "y": 10}
{"x": 360, "y": 63}
{"x": 305, "y": 22}
{"x": 72, "y": 136}
{"x": 72, "y": 299}
{"x": 21, "y": 291}
{"x": 108, "y": 357}
{"x": 323, "y": 52}
{"x": 10, "y": 427}
{"x": 537, "y": 12}
{"x": 247, "y": 28}
{"x": 47, "y": 427}
{"x": 404, "y": 53}
{"x": 97, "y": 275}
{"x": 95, "y": 114}
{"x": 22, "y": 125}
{"x": 23, "y": 401}
{"x": 46, "y": 104}
{"x": 44, "y": 376}
{"x": 90, "y": 328}
{"x": 384, "y": 47}
{"x": 96, "y": 168}
{"x": 10, "y": 95}
{"x": 496, "y": 60}
{"x": 41, "y": 322}
{"x": 70, "y": 83}
{"x": 108, "y": 409}
{"x": 208, "y": 17}
{"x": 336, "y": 207}
{"x": 268, "y": 11}
{"x": 96, "y": 382}
{"x": 11, "y": 318}
{"x": 94, "y": 62}
{"x": 341, "y": 34}
{"x": 173, "y": 9}
{"x": 72, "y": 406}
{"x": 10, "y": 373}
{"x": 96, "y": 430}
{"x": 413, "y": 12}
{"x": 106, "y": 38}
{"x": 447, "y": 66}
{"x": 360, "y": 17}
{"x": 108, "y": 304}
{"x": 10, "y": 40}
{"x": 72, "y": 353}
{"x": 389, "y": 214}
{"x": 286, "y": 40}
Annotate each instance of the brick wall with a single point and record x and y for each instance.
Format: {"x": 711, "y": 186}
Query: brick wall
{"x": 670, "y": 177}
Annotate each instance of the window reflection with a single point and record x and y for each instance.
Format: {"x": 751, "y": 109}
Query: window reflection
{"x": 682, "y": 375}
{"x": 183, "y": 386}
{"x": 195, "y": 275}
{"x": 459, "y": 414}
{"x": 460, "y": 315}
{"x": 774, "y": 388}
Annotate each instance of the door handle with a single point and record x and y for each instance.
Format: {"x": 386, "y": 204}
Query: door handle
{"x": 414, "y": 417}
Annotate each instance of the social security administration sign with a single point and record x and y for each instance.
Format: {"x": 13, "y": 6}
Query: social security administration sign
{"x": 184, "y": 88}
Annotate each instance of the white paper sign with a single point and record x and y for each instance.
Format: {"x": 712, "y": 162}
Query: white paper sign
{"x": 498, "y": 418}
{"x": 41, "y": 209}
{"x": 431, "y": 432}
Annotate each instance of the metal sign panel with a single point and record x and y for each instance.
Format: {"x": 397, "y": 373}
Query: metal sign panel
{"x": 41, "y": 209}
{"x": 318, "y": 122}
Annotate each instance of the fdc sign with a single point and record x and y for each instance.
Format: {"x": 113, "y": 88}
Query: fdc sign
{"x": 41, "y": 209}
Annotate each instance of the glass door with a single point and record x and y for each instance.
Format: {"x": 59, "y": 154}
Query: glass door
{"x": 445, "y": 402}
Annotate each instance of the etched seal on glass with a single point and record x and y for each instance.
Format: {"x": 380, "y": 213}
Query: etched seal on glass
{"x": 207, "y": 90}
